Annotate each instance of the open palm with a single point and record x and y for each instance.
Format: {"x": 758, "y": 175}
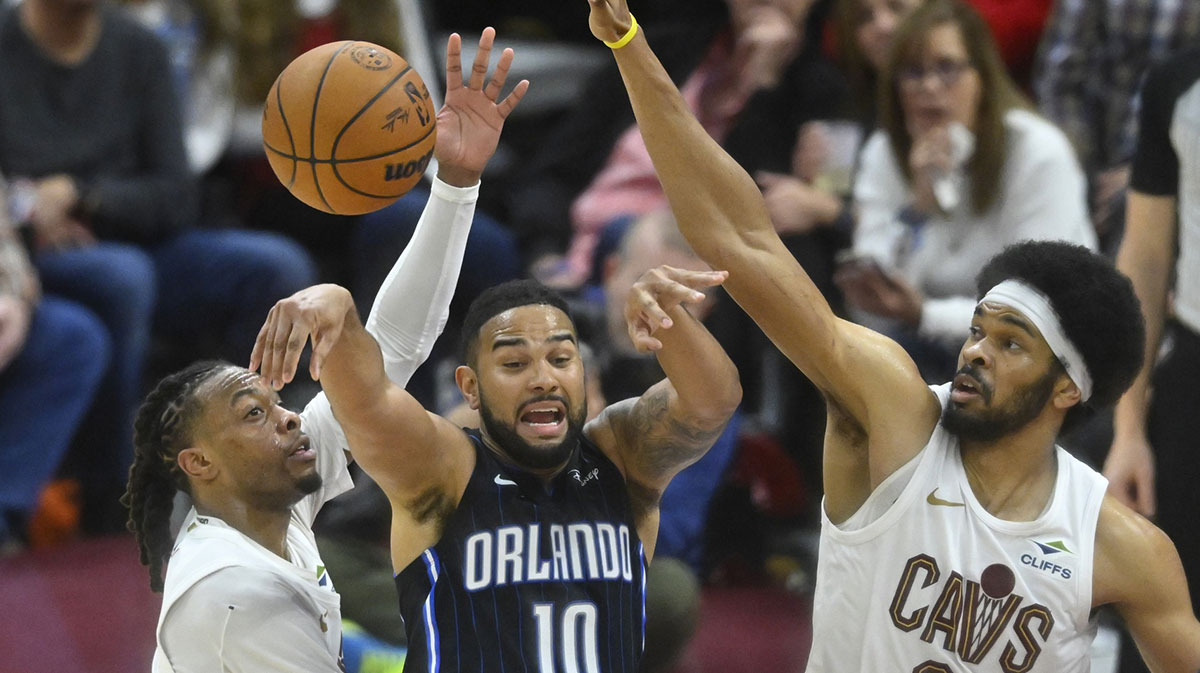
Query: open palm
{"x": 469, "y": 124}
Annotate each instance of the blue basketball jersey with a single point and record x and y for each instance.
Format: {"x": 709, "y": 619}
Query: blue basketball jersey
{"x": 530, "y": 578}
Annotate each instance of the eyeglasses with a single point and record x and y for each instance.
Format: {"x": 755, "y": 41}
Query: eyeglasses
{"x": 946, "y": 71}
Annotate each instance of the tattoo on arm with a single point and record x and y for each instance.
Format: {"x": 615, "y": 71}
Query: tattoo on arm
{"x": 664, "y": 442}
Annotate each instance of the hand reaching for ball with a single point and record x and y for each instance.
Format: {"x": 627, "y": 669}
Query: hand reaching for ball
{"x": 469, "y": 124}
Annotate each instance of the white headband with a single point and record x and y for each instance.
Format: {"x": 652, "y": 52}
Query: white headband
{"x": 1036, "y": 307}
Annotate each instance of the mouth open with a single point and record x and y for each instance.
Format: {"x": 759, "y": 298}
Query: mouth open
{"x": 302, "y": 451}
{"x": 965, "y": 388}
{"x": 544, "y": 419}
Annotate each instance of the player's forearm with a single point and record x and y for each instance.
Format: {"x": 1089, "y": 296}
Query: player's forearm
{"x": 1146, "y": 256}
{"x": 713, "y": 198}
{"x": 353, "y": 375}
{"x": 707, "y": 388}
{"x": 413, "y": 303}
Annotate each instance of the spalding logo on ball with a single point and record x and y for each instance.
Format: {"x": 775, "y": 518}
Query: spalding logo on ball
{"x": 349, "y": 127}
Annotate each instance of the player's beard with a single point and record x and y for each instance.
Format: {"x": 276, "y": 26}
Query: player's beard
{"x": 992, "y": 424}
{"x": 285, "y": 496}
{"x": 526, "y": 455}
{"x": 309, "y": 483}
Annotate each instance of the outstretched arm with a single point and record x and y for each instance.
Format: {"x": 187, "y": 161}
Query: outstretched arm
{"x": 672, "y": 424}
{"x": 720, "y": 211}
{"x": 413, "y": 303}
{"x": 404, "y": 448}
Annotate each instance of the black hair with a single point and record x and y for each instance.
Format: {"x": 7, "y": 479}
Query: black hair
{"x": 498, "y": 299}
{"x": 163, "y": 426}
{"x": 1096, "y": 304}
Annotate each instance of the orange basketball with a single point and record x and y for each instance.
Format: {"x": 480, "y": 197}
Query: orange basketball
{"x": 349, "y": 127}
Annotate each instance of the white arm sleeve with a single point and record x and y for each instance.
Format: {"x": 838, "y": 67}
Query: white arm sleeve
{"x": 244, "y": 620}
{"x": 414, "y": 302}
{"x": 410, "y": 310}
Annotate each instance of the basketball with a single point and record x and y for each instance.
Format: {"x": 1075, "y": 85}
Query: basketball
{"x": 349, "y": 127}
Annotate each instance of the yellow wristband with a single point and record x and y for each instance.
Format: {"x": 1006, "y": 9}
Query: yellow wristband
{"x": 626, "y": 37}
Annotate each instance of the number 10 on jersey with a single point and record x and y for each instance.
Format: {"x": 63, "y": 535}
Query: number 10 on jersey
{"x": 572, "y": 635}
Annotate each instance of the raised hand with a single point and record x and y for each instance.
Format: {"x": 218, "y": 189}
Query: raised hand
{"x": 930, "y": 158}
{"x": 609, "y": 19}
{"x": 317, "y": 313}
{"x": 469, "y": 124}
{"x": 656, "y": 293}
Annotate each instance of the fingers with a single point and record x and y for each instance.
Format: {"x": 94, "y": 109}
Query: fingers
{"x": 482, "y": 57}
{"x": 293, "y": 346}
{"x": 497, "y": 82}
{"x": 643, "y": 342}
{"x": 269, "y": 355}
{"x": 260, "y": 343}
{"x": 454, "y": 62}
{"x": 646, "y": 307}
{"x": 506, "y": 106}
{"x": 694, "y": 279}
{"x": 658, "y": 291}
{"x": 767, "y": 179}
{"x": 322, "y": 344}
{"x": 279, "y": 344}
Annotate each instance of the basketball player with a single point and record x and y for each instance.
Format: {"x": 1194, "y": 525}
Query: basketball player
{"x": 246, "y": 589}
{"x": 955, "y": 536}
{"x": 521, "y": 545}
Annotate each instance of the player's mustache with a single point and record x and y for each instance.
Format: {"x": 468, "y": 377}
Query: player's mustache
{"x": 984, "y": 388}
{"x": 547, "y": 398}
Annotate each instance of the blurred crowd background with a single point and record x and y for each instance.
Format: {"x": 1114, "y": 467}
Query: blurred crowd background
{"x": 898, "y": 144}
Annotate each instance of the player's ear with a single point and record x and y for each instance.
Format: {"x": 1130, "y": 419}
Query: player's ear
{"x": 196, "y": 463}
{"x": 1066, "y": 393}
{"x": 468, "y": 384}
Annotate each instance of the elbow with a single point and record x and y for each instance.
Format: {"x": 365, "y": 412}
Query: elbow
{"x": 722, "y": 405}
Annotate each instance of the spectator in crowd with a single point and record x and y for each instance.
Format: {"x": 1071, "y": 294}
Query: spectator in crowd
{"x": 1153, "y": 462}
{"x": 749, "y": 71}
{"x": 52, "y": 355}
{"x": 959, "y": 169}
{"x": 90, "y": 135}
{"x": 1093, "y": 56}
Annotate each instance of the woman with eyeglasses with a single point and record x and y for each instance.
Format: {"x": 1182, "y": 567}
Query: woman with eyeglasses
{"x": 959, "y": 168}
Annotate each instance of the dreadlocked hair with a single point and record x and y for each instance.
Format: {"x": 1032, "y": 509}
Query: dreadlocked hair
{"x": 162, "y": 428}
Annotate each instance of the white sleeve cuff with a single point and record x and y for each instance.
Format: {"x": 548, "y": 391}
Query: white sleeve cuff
{"x": 448, "y": 192}
{"x": 413, "y": 303}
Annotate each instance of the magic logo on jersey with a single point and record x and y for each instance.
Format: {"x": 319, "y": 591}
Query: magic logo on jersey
{"x": 969, "y": 617}
{"x": 518, "y": 554}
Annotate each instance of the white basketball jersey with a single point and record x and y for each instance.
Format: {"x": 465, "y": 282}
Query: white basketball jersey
{"x": 923, "y": 579}
{"x": 205, "y": 545}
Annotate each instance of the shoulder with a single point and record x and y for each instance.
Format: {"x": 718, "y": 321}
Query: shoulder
{"x": 1132, "y": 555}
{"x": 1034, "y": 137}
{"x": 610, "y": 429}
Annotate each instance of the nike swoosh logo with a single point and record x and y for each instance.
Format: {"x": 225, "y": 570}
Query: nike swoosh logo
{"x": 934, "y": 500}
{"x": 501, "y": 481}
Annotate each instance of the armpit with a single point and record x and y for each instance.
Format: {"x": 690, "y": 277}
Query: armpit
{"x": 433, "y": 504}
